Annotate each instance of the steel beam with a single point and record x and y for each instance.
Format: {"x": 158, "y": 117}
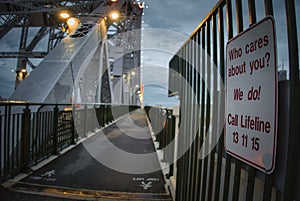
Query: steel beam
{"x": 23, "y": 54}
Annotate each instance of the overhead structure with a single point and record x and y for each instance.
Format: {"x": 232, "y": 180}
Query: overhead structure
{"x": 87, "y": 49}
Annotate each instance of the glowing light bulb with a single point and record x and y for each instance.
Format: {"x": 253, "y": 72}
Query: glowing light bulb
{"x": 64, "y": 15}
{"x": 114, "y": 15}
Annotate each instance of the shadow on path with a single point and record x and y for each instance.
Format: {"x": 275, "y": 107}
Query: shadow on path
{"x": 77, "y": 174}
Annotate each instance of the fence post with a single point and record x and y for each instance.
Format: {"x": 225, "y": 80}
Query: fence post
{"x": 25, "y": 135}
{"x": 72, "y": 129}
{"x": 102, "y": 110}
{"x": 105, "y": 115}
{"x": 55, "y": 130}
{"x": 85, "y": 121}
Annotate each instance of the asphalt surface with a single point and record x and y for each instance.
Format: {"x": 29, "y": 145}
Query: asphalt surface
{"x": 83, "y": 173}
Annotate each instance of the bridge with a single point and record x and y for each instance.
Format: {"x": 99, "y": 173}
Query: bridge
{"x": 75, "y": 128}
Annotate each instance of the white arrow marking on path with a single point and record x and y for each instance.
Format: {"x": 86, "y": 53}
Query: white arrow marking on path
{"x": 49, "y": 173}
{"x": 146, "y": 186}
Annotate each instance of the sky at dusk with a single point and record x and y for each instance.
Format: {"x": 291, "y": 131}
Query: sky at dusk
{"x": 178, "y": 19}
{"x": 166, "y": 25}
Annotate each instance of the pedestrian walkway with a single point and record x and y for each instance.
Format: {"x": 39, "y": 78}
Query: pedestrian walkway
{"x": 79, "y": 173}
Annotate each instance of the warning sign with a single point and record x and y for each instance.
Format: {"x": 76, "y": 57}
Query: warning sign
{"x": 251, "y": 96}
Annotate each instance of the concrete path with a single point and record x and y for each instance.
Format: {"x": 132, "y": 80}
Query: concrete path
{"x": 117, "y": 163}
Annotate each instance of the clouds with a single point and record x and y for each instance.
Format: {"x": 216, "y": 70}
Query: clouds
{"x": 159, "y": 46}
{"x": 167, "y": 25}
{"x": 176, "y": 15}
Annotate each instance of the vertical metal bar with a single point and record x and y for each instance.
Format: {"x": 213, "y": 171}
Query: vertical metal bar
{"x": 41, "y": 134}
{"x": 186, "y": 154}
{"x": 35, "y": 136}
{"x": 179, "y": 178}
{"x": 229, "y": 19}
{"x": 172, "y": 132}
{"x": 227, "y": 177}
{"x": 237, "y": 177}
{"x": 55, "y": 130}
{"x": 73, "y": 130}
{"x": 26, "y": 139}
{"x": 228, "y": 157}
{"x": 18, "y": 141}
{"x": 237, "y": 172}
{"x": 183, "y": 119}
{"x": 188, "y": 120}
{"x": 49, "y": 129}
{"x": 184, "y": 133}
{"x": 202, "y": 109}
{"x": 191, "y": 120}
{"x": 221, "y": 141}
{"x": 182, "y": 124}
{"x": 41, "y": 147}
{"x": 38, "y": 131}
{"x": 192, "y": 117}
{"x": 252, "y": 12}
{"x": 6, "y": 116}
{"x": 13, "y": 145}
{"x": 1, "y": 146}
{"x": 268, "y": 184}
{"x": 38, "y": 137}
{"x": 199, "y": 80}
{"x": 207, "y": 107}
{"x": 214, "y": 110}
{"x": 195, "y": 119}
{"x": 292, "y": 168}
{"x": 250, "y": 183}
{"x": 239, "y": 15}
{"x": 8, "y": 165}
{"x": 37, "y": 124}
{"x": 85, "y": 119}
{"x": 47, "y": 134}
{"x": 269, "y": 7}
{"x": 44, "y": 133}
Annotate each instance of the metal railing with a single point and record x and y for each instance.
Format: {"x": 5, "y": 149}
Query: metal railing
{"x": 219, "y": 176}
{"x": 32, "y": 132}
{"x": 163, "y": 125}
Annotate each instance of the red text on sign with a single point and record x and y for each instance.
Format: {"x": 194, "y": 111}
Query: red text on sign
{"x": 257, "y": 44}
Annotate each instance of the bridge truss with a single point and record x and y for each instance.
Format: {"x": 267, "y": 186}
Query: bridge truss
{"x": 123, "y": 41}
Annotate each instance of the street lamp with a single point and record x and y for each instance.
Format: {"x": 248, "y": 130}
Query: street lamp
{"x": 69, "y": 23}
{"x": 64, "y": 15}
{"x": 72, "y": 23}
{"x": 114, "y": 14}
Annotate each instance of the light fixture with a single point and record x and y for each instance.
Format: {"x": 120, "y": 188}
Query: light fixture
{"x": 72, "y": 23}
{"x": 64, "y": 15}
{"x": 114, "y": 1}
{"x": 141, "y": 5}
{"x": 114, "y": 14}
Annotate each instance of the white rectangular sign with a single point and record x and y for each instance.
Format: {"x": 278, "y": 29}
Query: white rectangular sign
{"x": 251, "y": 96}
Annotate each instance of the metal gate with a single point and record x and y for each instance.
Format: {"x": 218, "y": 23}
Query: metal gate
{"x": 219, "y": 176}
